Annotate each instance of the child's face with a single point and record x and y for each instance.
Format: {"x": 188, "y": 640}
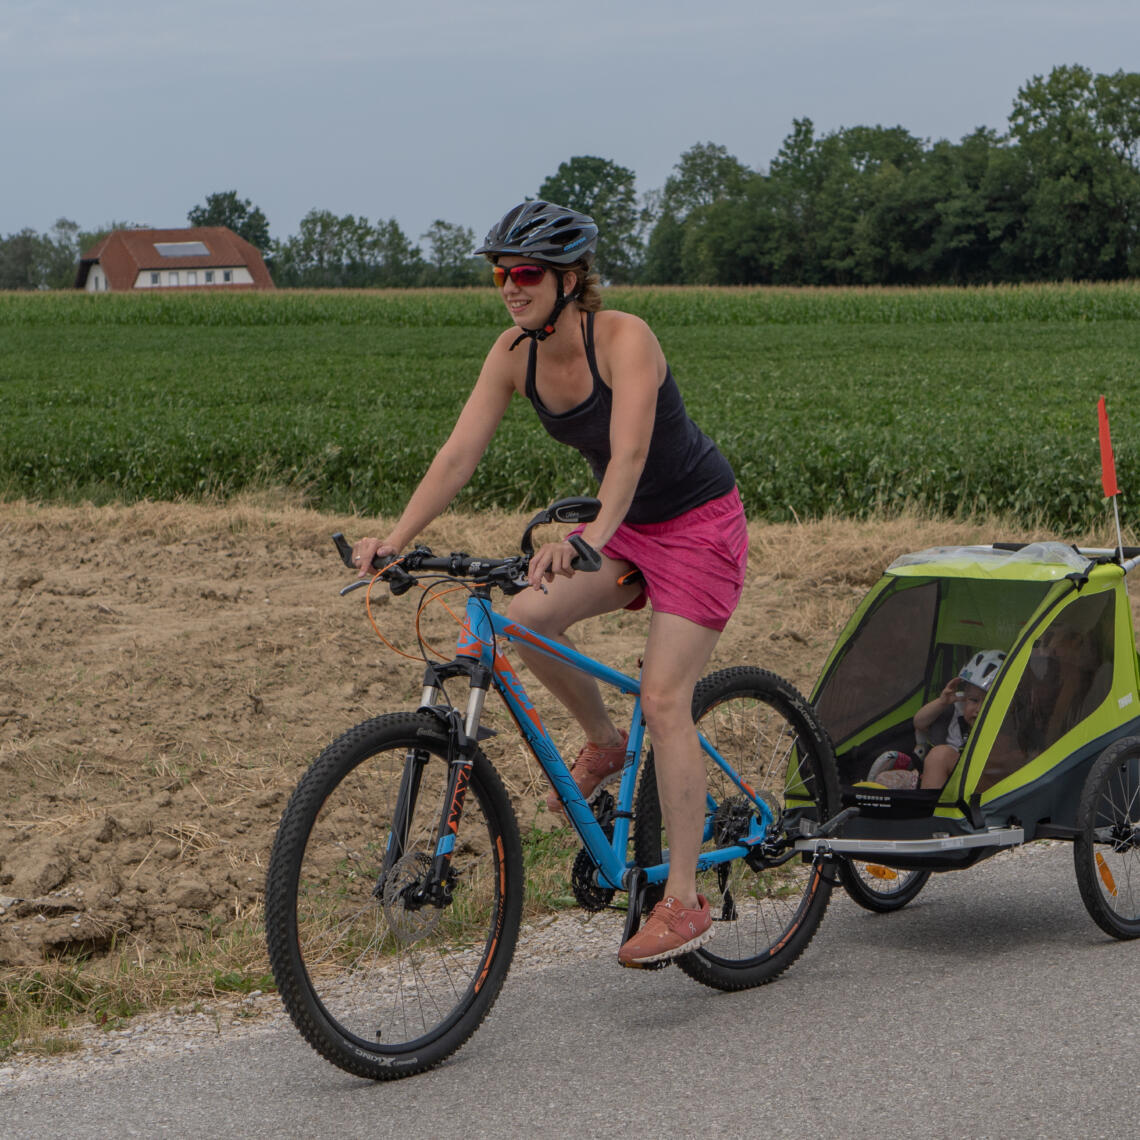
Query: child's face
{"x": 970, "y": 701}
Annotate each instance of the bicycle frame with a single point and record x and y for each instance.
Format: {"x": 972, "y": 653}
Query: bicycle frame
{"x": 478, "y": 656}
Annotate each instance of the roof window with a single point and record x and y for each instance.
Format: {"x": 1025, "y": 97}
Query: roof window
{"x": 181, "y": 249}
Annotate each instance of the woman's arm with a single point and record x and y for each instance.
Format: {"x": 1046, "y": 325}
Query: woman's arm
{"x": 635, "y": 367}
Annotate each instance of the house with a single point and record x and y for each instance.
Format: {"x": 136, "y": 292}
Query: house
{"x": 203, "y": 257}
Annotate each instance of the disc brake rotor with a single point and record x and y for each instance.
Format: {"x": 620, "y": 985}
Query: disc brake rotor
{"x": 408, "y": 924}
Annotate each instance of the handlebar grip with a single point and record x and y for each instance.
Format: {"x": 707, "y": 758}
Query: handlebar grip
{"x": 588, "y": 558}
{"x": 343, "y": 549}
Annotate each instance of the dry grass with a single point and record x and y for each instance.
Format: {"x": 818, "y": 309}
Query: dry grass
{"x": 126, "y": 717}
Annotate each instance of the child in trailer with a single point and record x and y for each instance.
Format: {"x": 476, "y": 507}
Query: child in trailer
{"x": 931, "y": 766}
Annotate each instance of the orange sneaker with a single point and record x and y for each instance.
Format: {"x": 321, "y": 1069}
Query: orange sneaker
{"x": 670, "y": 930}
{"x": 593, "y": 768}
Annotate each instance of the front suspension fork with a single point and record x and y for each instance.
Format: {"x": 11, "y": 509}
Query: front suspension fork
{"x": 435, "y": 886}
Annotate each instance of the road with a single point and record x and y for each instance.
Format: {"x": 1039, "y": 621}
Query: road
{"x": 992, "y": 1006}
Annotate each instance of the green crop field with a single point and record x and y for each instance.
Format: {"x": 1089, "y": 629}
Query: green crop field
{"x": 842, "y": 401}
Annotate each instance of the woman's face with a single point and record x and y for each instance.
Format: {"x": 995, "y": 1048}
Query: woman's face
{"x": 530, "y": 305}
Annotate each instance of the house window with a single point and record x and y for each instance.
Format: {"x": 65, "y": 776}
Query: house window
{"x": 192, "y": 277}
{"x": 154, "y": 279}
{"x": 172, "y": 278}
{"x": 227, "y": 275}
{"x": 209, "y": 277}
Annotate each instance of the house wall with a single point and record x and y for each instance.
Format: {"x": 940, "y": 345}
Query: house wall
{"x": 96, "y": 280}
{"x": 181, "y": 278}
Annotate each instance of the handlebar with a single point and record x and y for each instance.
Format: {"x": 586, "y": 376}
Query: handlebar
{"x": 509, "y": 574}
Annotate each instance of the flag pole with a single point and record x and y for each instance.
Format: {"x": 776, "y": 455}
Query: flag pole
{"x": 1108, "y": 473}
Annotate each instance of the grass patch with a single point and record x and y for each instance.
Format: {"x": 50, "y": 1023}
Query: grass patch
{"x": 36, "y": 1005}
{"x": 844, "y": 401}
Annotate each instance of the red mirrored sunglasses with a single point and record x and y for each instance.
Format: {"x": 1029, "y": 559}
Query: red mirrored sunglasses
{"x": 526, "y": 276}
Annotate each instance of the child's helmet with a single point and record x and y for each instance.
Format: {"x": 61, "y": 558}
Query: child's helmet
{"x": 982, "y": 668}
{"x": 551, "y": 233}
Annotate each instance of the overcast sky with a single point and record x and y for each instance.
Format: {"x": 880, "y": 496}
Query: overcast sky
{"x": 136, "y": 110}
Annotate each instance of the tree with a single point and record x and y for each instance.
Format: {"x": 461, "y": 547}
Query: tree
{"x": 663, "y": 263}
{"x": 60, "y": 252}
{"x": 238, "y": 214}
{"x": 449, "y": 254}
{"x": 1079, "y": 134}
{"x": 332, "y": 252}
{"x": 705, "y": 173}
{"x": 399, "y": 263}
{"x": 605, "y": 191}
{"x": 21, "y": 260}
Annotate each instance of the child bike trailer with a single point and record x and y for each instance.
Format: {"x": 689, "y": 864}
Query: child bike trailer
{"x": 1054, "y": 751}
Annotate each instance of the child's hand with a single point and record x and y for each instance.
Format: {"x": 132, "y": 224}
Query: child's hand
{"x": 950, "y": 693}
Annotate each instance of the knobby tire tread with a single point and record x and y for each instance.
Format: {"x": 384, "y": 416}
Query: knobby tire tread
{"x": 704, "y": 965}
{"x": 334, "y": 764}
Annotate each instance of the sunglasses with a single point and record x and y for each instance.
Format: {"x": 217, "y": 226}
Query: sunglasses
{"x": 526, "y": 276}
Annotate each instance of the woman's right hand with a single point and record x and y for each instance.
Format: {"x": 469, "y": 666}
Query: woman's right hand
{"x": 366, "y": 549}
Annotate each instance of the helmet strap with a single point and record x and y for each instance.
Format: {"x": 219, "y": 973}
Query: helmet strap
{"x": 547, "y": 328}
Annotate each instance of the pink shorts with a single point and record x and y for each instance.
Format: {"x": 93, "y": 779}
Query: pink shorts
{"x": 693, "y": 565}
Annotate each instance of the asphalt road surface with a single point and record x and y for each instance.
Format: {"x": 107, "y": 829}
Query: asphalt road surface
{"x": 992, "y": 1006}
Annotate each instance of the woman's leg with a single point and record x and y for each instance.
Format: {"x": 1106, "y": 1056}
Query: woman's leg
{"x": 675, "y": 657}
{"x": 570, "y": 600}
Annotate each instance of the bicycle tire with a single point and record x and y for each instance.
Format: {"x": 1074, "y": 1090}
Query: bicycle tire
{"x": 874, "y": 890}
{"x": 768, "y": 732}
{"x": 1106, "y": 853}
{"x": 381, "y": 988}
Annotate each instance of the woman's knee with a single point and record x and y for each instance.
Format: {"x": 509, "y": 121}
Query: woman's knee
{"x": 666, "y": 707}
{"x": 526, "y": 609}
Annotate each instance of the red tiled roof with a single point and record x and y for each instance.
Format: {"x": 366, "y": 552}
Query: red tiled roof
{"x": 123, "y": 254}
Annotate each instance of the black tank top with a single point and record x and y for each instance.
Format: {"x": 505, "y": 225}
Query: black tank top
{"x": 683, "y": 468}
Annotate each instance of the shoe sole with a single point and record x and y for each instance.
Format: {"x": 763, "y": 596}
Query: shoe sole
{"x": 668, "y": 955}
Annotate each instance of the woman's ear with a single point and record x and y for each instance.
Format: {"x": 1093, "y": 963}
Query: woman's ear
{"x": 569, "y": 282}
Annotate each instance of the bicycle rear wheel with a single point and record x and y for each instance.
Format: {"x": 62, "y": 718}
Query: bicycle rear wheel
{"x": 379, "y": 983}
{"x": 764, "y": 918}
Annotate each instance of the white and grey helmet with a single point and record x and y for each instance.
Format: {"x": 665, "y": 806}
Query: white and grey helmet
{"x": 545, "y": 231}
{"x": 982, "y": 668}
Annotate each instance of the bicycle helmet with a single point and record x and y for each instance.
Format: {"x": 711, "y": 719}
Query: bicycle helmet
{"x": 982, "y": 668}
{"x": 543, "y": 230}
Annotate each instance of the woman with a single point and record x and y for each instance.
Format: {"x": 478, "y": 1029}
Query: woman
{"x": 599, "y": 383}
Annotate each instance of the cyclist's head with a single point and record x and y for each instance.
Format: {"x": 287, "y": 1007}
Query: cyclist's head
{"x": 557, "y": 237}
{"x": 547, "y": 232}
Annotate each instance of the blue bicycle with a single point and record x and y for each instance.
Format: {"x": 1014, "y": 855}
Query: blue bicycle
{"x": 395, "y": 886}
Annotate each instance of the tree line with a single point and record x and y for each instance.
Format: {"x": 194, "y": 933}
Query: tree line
{"x": 1054, "y": 197}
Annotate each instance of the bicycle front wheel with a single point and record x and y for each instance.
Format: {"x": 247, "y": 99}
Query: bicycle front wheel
{"x": 379, "y": 981}
{"x": 763, "y": 918}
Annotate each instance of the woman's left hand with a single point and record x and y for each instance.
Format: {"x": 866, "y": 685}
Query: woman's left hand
{"x": 551, "y": 558}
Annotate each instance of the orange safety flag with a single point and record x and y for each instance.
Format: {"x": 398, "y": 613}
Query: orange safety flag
{"x": 1107, "y": 460}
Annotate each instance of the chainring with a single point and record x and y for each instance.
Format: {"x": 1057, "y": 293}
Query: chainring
{"x": 587, "y": 892}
